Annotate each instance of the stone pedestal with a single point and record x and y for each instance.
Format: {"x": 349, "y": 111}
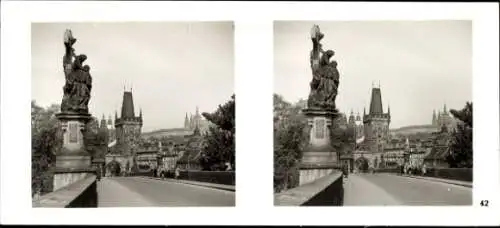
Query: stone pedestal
{"x": 319, "y": 157}
{"x": 73, "y": 163}
{"x": 319, "y": 151}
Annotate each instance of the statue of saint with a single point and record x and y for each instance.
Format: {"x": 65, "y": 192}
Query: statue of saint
{"x": 78, "y": 80}
{"x": 325, "y": 81}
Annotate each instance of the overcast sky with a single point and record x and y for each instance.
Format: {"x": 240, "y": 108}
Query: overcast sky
{"x": 420, "y": 65}
{"x": 172, "y": 67}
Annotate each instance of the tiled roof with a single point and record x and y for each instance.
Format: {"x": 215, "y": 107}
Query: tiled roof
{"x": 193, "y": 150}
{"x": 438, "y": 152}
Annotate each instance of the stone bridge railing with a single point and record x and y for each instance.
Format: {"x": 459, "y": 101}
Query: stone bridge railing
{"x": 82, "y": 193}
{"x": 460, "y": 174}
{"x": 325, "y": 191}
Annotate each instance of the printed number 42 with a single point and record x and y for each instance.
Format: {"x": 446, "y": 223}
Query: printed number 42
{"x": 484, "y": 203}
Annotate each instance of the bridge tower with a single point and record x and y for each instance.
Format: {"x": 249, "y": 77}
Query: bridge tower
{"x": 376, "y": 123}
{"x": 128, "y": 126}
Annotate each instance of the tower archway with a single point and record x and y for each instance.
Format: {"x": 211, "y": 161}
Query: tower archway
{"x": 113, "y": 168}
{"x": 361, "y": 164}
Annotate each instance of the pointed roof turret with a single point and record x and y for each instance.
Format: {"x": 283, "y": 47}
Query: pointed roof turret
{"x": 128, "y": 105}
{"x": 444, "y": 109}
{"x": 351, "y": 118}
{"x": 186, "y": 121}
{"x": 103, "y": 121}
{"x": 116, "y": 115}
{"x": 434, "y": 119}
{"x": 376, "y": 102}
{"x": 197, "y": 113}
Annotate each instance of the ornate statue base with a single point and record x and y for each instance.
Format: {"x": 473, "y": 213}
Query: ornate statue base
{"x": 319, "y": 157}
{"x": 73, "y": 163}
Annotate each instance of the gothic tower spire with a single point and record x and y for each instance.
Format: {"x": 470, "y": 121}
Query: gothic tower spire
{"x": 376, "y": 102}
{"x": 186, "y": 121}
{"x": 128, "y": 105}
{"x": 434, "y": 117}
{"x": 103, "y": 121}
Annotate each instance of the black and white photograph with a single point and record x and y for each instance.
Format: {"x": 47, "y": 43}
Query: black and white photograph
{"x": 353, "y": 113}
{"x": 373, "y": 113}
{"x": 132, "y": 114}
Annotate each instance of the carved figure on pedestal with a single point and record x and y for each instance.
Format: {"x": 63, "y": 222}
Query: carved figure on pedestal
{"x": 325, "y": 81}
{"x": 78, "y": 80}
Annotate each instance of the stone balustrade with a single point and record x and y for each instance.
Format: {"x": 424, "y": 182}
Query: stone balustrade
{"x": 325, "y": 191}
{"x": 82, "y": 193}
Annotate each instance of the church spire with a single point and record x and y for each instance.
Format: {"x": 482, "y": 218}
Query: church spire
{"x": 186, "y": 121}
{"x": 103, "y": 121}
{"x": 444, "y": 109}
{"x": 434, "y": 117}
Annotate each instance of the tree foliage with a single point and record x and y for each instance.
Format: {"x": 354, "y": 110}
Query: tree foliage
{"x": 289, "y": 142}
{"x": 461, "y": 152}
{"x": 46, "y": 141}
{"x": 343, "y": 140}
{"x": 96, "y": 139}
{"x": 220, "y": 138}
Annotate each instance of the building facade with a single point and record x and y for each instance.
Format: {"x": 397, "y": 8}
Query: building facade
{"x": 196, "y": 120}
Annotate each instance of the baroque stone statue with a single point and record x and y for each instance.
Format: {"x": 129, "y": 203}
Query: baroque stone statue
{"x": 325, "y": 81}
{"x": 78, "y": 79}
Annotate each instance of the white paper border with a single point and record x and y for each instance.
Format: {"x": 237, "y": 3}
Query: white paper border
{"x": 254, "y": 78}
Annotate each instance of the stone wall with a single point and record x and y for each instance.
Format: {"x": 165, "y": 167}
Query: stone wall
{"x": 214, "y": 177}
{"x": 461, "y": 174}
{"x": 308, "y": 175}
{"x": 326, "y": 191}
{"x": 82, "y": 193}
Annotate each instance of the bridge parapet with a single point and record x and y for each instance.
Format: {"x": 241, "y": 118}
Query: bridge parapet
{"x": 311, "y": 172}
{"x": 325, "y": 191}
{"x": 459, "y": 174}
{"x": 82, "y": 193}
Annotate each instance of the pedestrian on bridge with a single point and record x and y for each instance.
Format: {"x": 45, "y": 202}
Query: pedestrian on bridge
{"x": 424, "y": 169}
{"x": 345, "y": 171}
{"x": 177, "y": 172}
